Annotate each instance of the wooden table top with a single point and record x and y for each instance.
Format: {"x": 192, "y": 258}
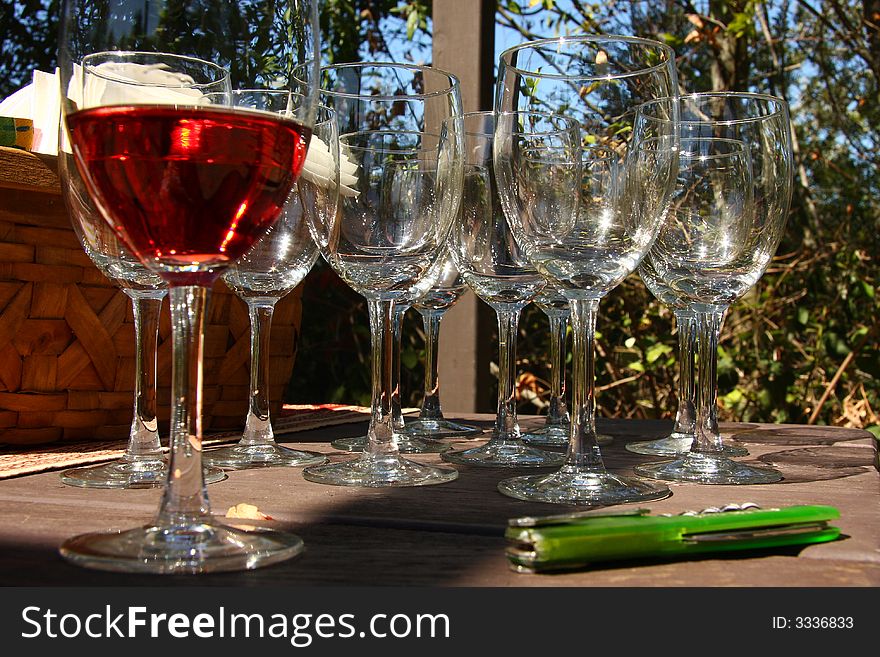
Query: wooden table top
{"x": 452, "y": 534}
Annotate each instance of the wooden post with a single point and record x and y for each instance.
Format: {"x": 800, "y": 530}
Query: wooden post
{"x": 463, "y": 44}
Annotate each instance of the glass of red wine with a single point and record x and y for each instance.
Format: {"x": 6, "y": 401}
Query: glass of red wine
{"x": 189, "y": 183}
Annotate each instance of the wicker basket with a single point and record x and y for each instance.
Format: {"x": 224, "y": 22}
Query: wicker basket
{"x": 67, "y": 336}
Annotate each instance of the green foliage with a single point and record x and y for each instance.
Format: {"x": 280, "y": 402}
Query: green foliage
{"x": 742, "y": 23}
{"x": 416, "y": 15}
{"x": 28, "y": 30}
{"x": 356, "y": 30}
{"x": 803, "y": 345}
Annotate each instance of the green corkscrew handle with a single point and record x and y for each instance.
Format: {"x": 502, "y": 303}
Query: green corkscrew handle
{"x": 591, "y": 539}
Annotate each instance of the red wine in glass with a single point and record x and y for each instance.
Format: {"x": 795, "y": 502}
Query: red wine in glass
{"x": 189, "y": 189}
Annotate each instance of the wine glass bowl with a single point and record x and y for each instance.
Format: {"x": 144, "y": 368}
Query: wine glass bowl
{"x": 391, "y": 244}
{"x": 710, "y": 214}
{"x": 188, "y": 186}
{"x": 447, "y": 289}
{"x": 191, "y": 227}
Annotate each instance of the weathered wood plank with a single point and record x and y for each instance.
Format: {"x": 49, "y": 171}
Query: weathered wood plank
{"x": 451, "y": 534}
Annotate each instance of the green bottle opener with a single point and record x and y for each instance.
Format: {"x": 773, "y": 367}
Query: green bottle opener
{"x": 573, "y": 540}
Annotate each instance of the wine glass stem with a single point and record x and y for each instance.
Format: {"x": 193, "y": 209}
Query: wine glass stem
{"x": 143, "y": 439}
{"x": 397, "y": 421}
{"x": 686, "y": 417}
{"x": 707, "y": 438}
{"x": 431, "y": 402}
{"x": 557, "y": 412}
{"x": 258, "y": 426}
{"x": 185, "y": 499}
{"x": 506, "y": 424}
{"x": 583, "y": 448}
{"x": 381, "y": 431}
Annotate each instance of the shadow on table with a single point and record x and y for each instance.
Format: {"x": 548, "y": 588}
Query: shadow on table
{"x": 741, "y": 555}
{"x": 801, "y": 435}
{"x": 445, "y": 535}
{"x": 819, "y": 463}
{"x": 335, "y": 555}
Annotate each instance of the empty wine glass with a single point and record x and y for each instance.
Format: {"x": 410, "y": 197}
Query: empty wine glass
{"x": 344, "y": 77}
{"x": 188, "y": 187}
{"x": 599, "y": 81}
{"x": 726, "y": 221}
{"x": 388, "y": 237}
{"x": 406, "y": 443}
{"x": 272, "y": 269}
{"x": 682, "y": 436}
{"x": 556, "y": 427}
{"x": 143, "y": 464}
{"x": 432, "y": 306}
{"x": 496, "y": 270}
{"x": 554, "y": 433}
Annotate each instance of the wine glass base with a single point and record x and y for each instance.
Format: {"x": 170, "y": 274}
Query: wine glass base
{"x": 678, "y": 444}
{"x": 379, "y": 471}
{"x": 141, "y": 473}
{"x": 708, "y": 469}
{"x": 245, "y": 457}
{"x": 440, "y": 429}
{"x": 498, "y": 453}
{"x": 583, "y": 487}
{"x": 204, "y": 547}
{"x": 405, "y": 445}
{"x": 555, "y": 435}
